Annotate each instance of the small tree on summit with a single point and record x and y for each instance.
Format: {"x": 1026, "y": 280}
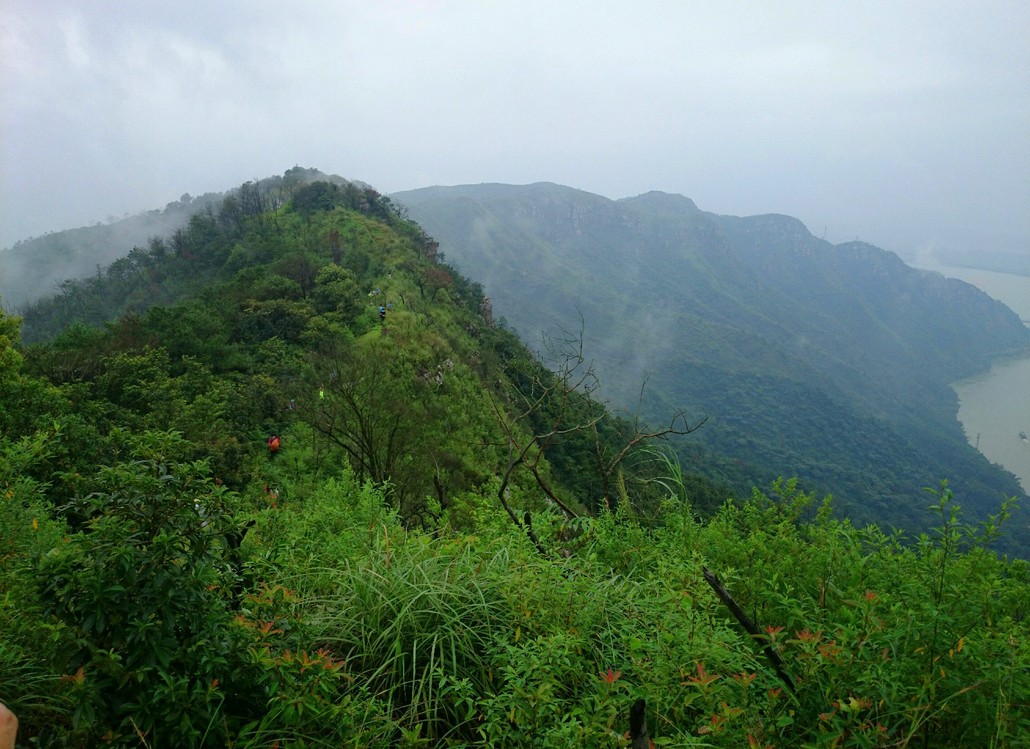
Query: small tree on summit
{"x": 317, "y": 196}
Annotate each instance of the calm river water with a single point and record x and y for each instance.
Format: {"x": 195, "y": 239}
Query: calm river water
{"x": 994, "y": 407}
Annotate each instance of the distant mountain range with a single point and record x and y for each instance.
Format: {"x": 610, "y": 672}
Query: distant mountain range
{"x": 828, "y": 362}
{"x": 36, "y": 267}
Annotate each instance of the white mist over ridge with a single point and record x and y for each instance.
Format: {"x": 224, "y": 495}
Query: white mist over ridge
{"x": 898, "y": 124}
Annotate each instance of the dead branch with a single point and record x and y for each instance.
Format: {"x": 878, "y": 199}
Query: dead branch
{"x": 752, "y": 629}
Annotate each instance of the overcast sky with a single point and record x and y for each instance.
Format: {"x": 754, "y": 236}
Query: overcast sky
{"x": 903, "y": 123}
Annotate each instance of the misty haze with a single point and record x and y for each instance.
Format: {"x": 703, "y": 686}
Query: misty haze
{"x": 514, "y": 374}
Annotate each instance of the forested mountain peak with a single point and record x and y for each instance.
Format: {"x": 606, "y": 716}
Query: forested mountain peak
{"x": 297, "y": 285}
{"x": 36, "y": 267}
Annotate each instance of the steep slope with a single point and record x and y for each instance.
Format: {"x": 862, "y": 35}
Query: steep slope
{"x": 321, "y": 308}
{"x": 398, "y": 565}
{"x": 827, "y": 362}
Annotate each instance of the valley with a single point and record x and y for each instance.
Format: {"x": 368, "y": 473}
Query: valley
{"x": 830, "y": 363}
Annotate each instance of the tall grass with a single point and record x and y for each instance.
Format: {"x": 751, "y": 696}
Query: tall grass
{"x": 415, "y": 622}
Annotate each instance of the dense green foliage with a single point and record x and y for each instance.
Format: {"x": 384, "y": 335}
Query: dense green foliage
{"x": 449, "y": 549}
{"x": 832, "y": 363}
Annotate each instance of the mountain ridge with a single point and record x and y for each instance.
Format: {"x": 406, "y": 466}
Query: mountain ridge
{"x": 740, "y": 316}
{"x": 657, "y": 269}
{"x": 280, "y": 478}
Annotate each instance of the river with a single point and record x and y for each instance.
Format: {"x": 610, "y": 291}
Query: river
{"x": 994, "y": 406}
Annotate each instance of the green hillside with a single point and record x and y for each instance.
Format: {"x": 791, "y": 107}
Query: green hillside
{"x": 280, "y": 480}
{"x": 829, "y": 363}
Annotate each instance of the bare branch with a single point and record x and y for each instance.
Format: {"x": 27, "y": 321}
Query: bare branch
{"x": 560, "y": 398}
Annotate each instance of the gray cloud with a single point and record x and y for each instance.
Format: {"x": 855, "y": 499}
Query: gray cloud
{"x": 904, "y": 123}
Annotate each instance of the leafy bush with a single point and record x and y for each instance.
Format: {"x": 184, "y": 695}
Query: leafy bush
{"x": 144, "y": 589}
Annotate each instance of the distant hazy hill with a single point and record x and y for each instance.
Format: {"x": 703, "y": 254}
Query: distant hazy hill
{"x": 827, "y": 362}
{"x": 35, "y": 268}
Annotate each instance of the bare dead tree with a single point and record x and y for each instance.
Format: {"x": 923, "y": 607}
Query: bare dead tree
{"x": 545, "y": 406}
{"x": 609, "y": 462}
{"x": 533, "y": 395}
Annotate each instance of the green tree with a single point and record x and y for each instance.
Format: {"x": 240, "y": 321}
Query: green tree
{"x": 337, "y": 290}
{"x": 144, "y": 589}
{"x": 373, "y": 404}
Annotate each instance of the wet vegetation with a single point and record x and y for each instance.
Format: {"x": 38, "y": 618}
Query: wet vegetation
{"x": 454, "y": 545}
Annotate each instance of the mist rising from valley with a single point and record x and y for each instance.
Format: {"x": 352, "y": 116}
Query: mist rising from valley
{"x": 829, "y": 362}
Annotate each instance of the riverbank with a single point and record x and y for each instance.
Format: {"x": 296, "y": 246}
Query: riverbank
{"x": 994, "y": 405}
{"x": 994, "y": 409}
